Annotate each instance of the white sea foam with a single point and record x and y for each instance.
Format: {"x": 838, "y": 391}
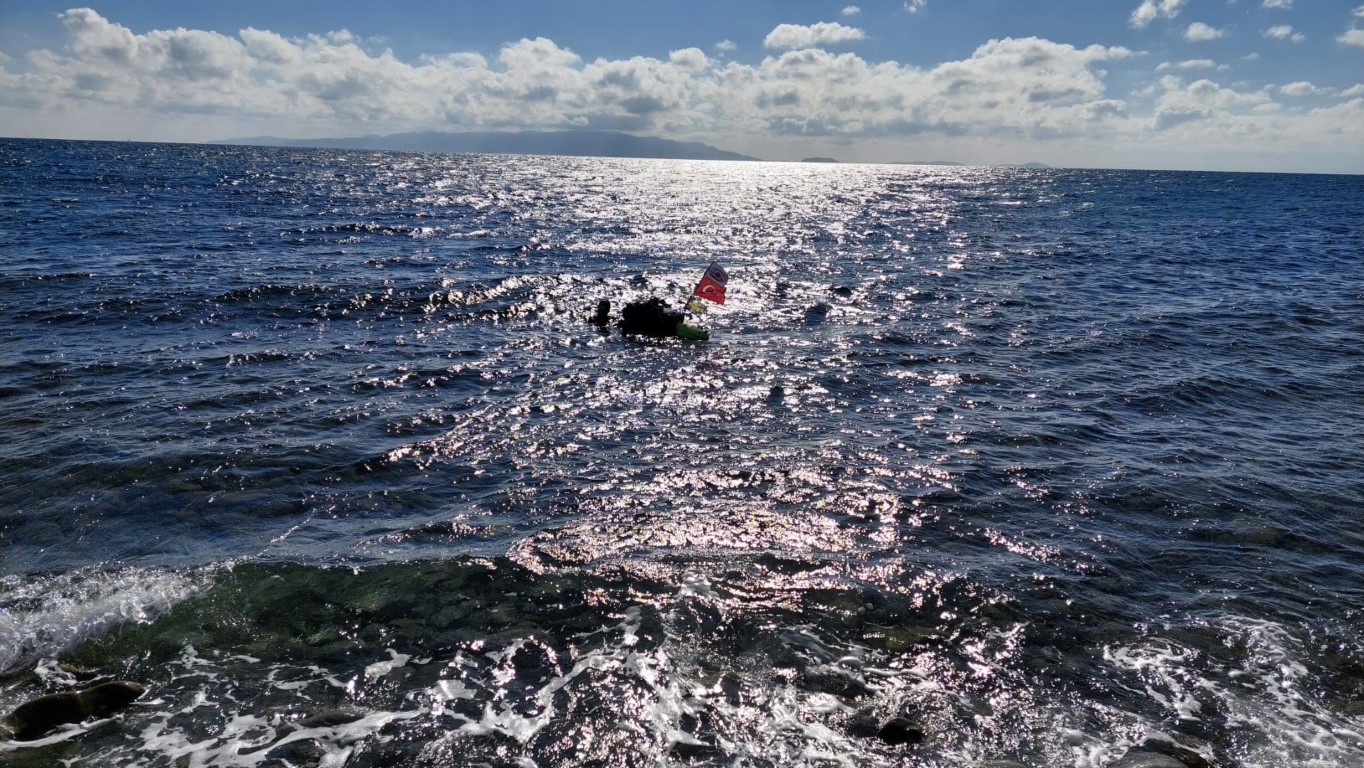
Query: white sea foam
{"x": 63, "y": 733}
{"x": 45, "y": 616}
{"x": 671, "y": 693}
{"x": 381, "y": 668}
{"x": 205, "y": 718}
{"x": 1267, "y": 691}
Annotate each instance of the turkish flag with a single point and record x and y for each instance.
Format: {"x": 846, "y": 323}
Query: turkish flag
{"x": 712, "y": 285}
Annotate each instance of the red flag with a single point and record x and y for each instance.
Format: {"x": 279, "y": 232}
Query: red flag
{"x": 713, "y": 282}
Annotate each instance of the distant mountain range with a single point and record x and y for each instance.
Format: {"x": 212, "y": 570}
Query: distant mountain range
{"x": 935, "y": 162}
{"x": 574, "y": 143}
{"x": 1034, "y": 166}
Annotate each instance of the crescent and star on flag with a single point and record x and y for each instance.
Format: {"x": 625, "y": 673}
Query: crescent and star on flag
{"x": 711, "y": 287}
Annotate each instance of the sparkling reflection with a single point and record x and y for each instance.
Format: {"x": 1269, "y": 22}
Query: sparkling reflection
{"x": 916, "y": 472}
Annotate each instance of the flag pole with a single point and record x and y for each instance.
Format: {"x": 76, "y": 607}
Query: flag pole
{"x": 711, "y": 287}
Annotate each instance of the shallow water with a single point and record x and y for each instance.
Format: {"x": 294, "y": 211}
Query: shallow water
{"x": 320, "y": 447}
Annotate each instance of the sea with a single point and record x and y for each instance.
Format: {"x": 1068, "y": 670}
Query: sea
{"x": 980, "y": 466}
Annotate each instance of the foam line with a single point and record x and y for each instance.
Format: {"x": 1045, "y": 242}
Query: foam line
{"x": 46, "y": 616}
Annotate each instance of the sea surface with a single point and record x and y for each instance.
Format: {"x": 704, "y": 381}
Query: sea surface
{"x": 1056, "y": 466}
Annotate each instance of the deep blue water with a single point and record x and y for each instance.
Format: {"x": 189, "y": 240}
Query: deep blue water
{"x": 1056, "y": 464}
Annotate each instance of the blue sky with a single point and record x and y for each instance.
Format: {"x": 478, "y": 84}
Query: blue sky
{"x": 1232, "y": 85}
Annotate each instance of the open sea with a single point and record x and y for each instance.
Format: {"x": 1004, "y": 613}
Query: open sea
{"x": 1049, "y": 467}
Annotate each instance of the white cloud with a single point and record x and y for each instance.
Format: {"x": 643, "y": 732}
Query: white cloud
{"x": 914, "y": 6}
{"x": 1010, "y": 94}
{"x": 725, "y": 45}
{"x": 1204, "y": 100}
{"x": 1185, "y": 65}
{"x": 1200, "y": 32}
{"x": 851, "y": 10}
{"x": 791, "y": 36}
{"x": 329, "y": 85}
{"x": 1203, "y": 117}
{"x": 1285, "y": 4}
{"x": 1284, "y": 32}
{"x": 269, "y": 47}
{"x": 1150, "y": 10}
{"x": 540, "y": 55}
{"x": 95, "y": 37}
{"x": 1354, "y": 35}
{"x": 689, "y": 59}
{"x": 1301, "y": 88}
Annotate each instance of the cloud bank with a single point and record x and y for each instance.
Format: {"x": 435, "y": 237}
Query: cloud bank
{"x": 186, "y": 84}
{"x": 1027, "y": 86}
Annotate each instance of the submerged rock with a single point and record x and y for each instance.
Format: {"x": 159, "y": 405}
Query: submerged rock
{"x": 835, "y": 681}
{"x": 83, "y": 675}
{"x": 301, "y": 752}
{"x": 34, "y": 719}
{"x": 899, "y": 730}
{"x": 1140, "y": 758}
{"x": 895, "y": 731}
{"x": 328, "y": 719}
{"x": 1184, "y": 748}
{"x": 694, "y": 749}
{"x": 817, "y": 313}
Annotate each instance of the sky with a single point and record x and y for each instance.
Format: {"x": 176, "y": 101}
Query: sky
{"x": 1237, "y": 85}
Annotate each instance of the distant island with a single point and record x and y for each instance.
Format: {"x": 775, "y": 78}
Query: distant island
{"x": 571, "y": 143}
{"x": 955, "y": 163}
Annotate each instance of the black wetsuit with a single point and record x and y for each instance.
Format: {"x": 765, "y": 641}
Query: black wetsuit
{"x": 649, "y": 318}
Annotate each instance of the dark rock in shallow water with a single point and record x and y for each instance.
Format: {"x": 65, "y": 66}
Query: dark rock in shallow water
{"x": 864, "y": 725}
{"x": 21, "y": 675}
{"x": 899, "y": 730}
{"x": 34, "y": 719}
{"x": 817, "y": 313}
{"x": 895, "y": 731}
{"x": 1182, "y": 748}
{"x": 695, "y": 750}
{"x": 329, "y": 719}
{"x": 302, "y": 752}
{"x": 1140, "y": 758}
{"x": 836, "y": 682}
{"x": 83, "y": 675}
